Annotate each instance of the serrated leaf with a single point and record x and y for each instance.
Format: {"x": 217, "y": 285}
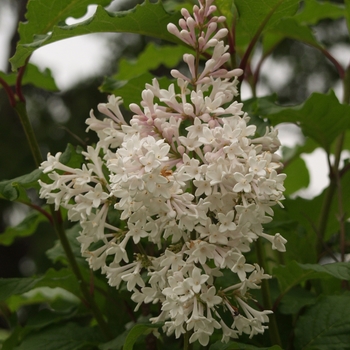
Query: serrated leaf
{"x": 10, "y": 189}
{"x": 322, "y": 117}
{"x": 297, "y": 176}
{"x": 251, "y": 14}
{"x": 294, "y": 273}
{"x": 147, "y": 19}
{"x": 136, "y": 332}
{"x": 313, "y": 11}
{"x": 325, "y": 325}
{"x": 68, "y": 336}
{"x": 25, "y": 228}
{"x": 33, "y": 75}
{"x": 42, "y": 17}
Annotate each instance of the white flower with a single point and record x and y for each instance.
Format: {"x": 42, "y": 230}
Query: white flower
{"x": 187, "y": 177}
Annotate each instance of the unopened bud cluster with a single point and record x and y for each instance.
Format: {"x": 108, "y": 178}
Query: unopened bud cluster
{"x": 191, "y": 184}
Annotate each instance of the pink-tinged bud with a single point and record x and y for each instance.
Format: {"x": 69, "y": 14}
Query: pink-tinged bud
{"x": 172, "y": 29}
{"x": 135, "y": 108}
{"x": 190, "y": 60}
{"x": 183, "y": 24}
{"x": 181, "y": 149}
{"x": 221, "y": 19}
{"x": 236, "y": 72}
{"x": 185, "y": 13}
{"x": 221, "y": 34}
{"x": 177, "y": 75}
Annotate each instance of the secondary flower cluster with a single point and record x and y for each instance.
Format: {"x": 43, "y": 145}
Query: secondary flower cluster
{"x": 193, "y": 187}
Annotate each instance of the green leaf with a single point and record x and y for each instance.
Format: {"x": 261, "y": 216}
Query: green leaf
{"x": 297, "y": 176}
{"x": 295, "y": 300}
{"x": 58, "y": 299}
{"x": 313, "y": 11}
{"x": 253, "y": 13}
{"x": 25, "y": 228}
{"x": 325, "y": 325}
{"x": 68, "y": 336}
{"x": 294, "y": 273}
{"x": 347, "y": 13}
{"x": 226, "y": 8}
{"x": 322, "y": 117}
{"x": 72, "y": 156}
{"x": 42, "y": 18}
{"x": 136, "y": 332}
{"x": 151, "y": 58}
{"x": 53, "y": 278}
{"x": 57, "y": 253}
{"x": 11, "y": 189}
{"x": 34, "y": 76}
{"x": 115, "y": 344}
{"x": 13, "y": 286}
{"x": 147, "y": 19}
{"x": 299, "y": 221}
{"x": 292, "y": 29}
{"x": 234, "y": 345}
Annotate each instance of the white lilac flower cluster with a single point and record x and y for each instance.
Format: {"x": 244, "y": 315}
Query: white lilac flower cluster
{"x": 188, "y": 179}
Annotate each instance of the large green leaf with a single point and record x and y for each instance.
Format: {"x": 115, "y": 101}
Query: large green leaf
{"x": 67, "y": 336}
{"x": 151, "y": 58}
{"x": 227, "y": 9}
{"x": 322, "y": 117}
{"x": 289, "y": 28}
{"x": 253, "y": 13}
{"x": 14, "y": 189}
{"x": 25, "y": 228}
{"x": 294, "y": 273}
{"x": 299, "y": 221}
{"x": 297, "y": 176}
{"x": 325, "y": 325}
{"x": 42, "y": 17}
{"x": 59, "y": 299}
{"x": 34, "y": 76}
{"x": 16, "y": 286}
{"x": 239, "y": 346}
{"x": 347, "y": 13}
{"x": 136, "y": 332}
{"x": 313, "y": 11}
{"x": 295, "y": 300}
{"x": 46, "y": 23}
{"x": 57, "y": 253}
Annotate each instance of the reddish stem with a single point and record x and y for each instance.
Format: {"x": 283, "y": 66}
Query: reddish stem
{"x": 9, "y": 92}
